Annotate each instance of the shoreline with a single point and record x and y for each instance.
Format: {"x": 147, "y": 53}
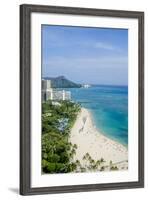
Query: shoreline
{"x": 90, "y": 140}
{"x": 101, "y": 132}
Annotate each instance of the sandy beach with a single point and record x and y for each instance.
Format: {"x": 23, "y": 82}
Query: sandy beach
{"x": 89, "y": 140}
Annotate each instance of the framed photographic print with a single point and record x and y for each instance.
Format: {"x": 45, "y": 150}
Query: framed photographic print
{"x": 81, "y": 99}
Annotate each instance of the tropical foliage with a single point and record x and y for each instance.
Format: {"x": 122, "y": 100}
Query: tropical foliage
{"x": 57, "y": 152}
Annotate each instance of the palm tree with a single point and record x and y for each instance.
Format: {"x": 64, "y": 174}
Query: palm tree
{"x": 102, "y": 160}
{"x": 84, "y": 157}
{"x": 114, "y": 168}
{"x": 73, "y": 166}
{"x": 91, "y": 161}
{"x": 75, "y": 146}
{"x": 73, "y": 151}
{"x": 98, "y": 162}
{"x": 87, "y": 155}
{"x": 52, "y": 149}
{"x": 102, "y": 168}
{"x": 110, "y": 163}
{"x": 83, "y": 169}
{"x": 78, "y": 163}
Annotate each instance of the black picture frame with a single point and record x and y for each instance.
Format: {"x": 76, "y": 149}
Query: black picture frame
{"x": 25, "y": 97}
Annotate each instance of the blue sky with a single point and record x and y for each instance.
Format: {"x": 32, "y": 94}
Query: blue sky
{"x": 85, "y": 55}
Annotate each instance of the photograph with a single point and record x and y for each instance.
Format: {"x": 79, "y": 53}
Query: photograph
{"x": 81, "y": 99}
{"x": 84, "y": 99}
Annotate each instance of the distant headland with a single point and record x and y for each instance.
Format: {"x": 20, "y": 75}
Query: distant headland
{"x": 62, "y": 82}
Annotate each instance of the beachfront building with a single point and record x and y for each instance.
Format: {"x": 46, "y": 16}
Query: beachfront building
{"x": 86, "y": 85}
{"x": 48, "y": 93}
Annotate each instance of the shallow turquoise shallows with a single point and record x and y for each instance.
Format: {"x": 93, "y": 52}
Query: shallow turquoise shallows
{"x": 109, "y": 108}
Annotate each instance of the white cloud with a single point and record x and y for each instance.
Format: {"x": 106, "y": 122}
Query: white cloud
{"x": 96, "y": 62}
{"x": 106, "y": 46}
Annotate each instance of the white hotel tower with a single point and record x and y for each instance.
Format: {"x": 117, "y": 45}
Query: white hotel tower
{"x": 48, "y": 93}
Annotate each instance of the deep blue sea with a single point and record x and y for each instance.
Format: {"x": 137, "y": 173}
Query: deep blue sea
{"x": 109, "y": 108}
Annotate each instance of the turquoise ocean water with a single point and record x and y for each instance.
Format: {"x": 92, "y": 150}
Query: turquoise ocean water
{"x": 109, "y": 108}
